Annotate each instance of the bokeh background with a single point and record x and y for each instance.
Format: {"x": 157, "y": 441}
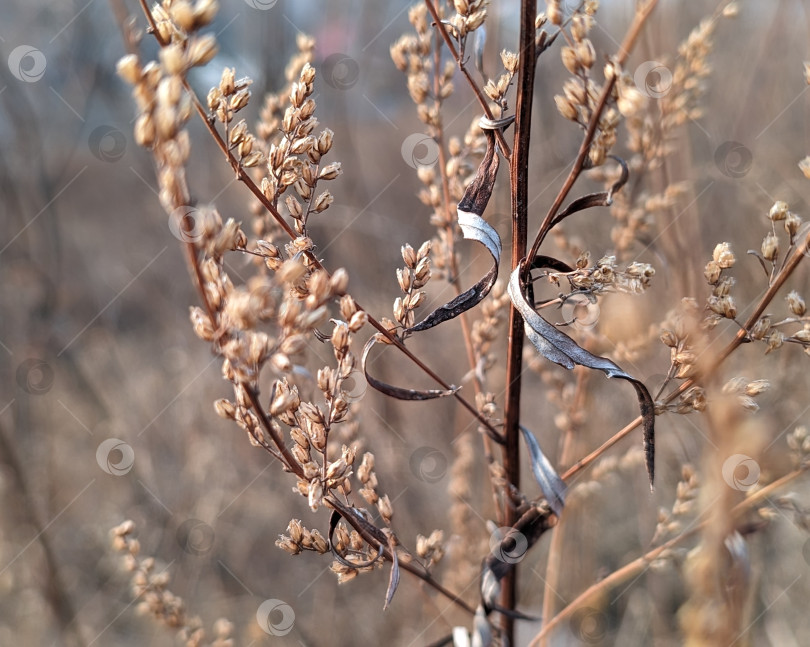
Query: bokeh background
{"x": 95, "y": 342}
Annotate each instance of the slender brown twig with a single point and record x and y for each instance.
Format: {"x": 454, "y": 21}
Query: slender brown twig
{"x": 482, "y": 100}
{"x": 641, "y": 15}
{"x": 519, "y": 190}
{"x": 639, "y": 564}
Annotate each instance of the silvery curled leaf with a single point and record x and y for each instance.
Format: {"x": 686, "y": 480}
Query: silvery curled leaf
{"x": 559, "y": 348}
{"x": 551, "y": 484}
{"x": 527, "y": 530}
{"x": 393, "y": 580}
{"x": 461, "y": 637}
{"x": 738, "y": 549}
{"x": 333, "y": 522}
{"x": 482, "y": 632}
{"x": 470, "y": 209}
{"x": 600, "y": 199}
{"x": 396, "y": 391}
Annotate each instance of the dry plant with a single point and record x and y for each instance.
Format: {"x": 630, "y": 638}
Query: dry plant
{"x": 307, "y": 414}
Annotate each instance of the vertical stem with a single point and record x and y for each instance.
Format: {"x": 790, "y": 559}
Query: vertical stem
{"x": 519, "y": 190}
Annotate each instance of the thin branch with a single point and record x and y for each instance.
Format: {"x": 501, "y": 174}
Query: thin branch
{"x": 463, "y": 68}
{"x": 364, "y": 531}
{"x": 707, "y": 369}
{"x": 641, "y": 15}
{"x": 639, "y": 564}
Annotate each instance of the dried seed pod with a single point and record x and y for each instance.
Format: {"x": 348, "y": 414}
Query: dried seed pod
{"x": 770, "y": 247}
{"x": 723, "y": 255}
{"x": 796, "y": 303}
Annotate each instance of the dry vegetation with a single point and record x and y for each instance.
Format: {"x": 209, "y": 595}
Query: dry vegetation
{"x": 348, "y": 386}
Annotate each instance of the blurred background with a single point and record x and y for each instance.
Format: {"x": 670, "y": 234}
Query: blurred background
{"x": 100, "y": 368}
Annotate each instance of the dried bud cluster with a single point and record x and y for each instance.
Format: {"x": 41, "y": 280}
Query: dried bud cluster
{"x": 294, "y": 152}
{"x": 428, "y": 85}
{"x": 368, "y": 477}
{"x": 799, "y": 442}
{"x": 775, "y": 333}
{"x": 470, "y": 15}
{"x": 155, "y": 599}
{"x": 485, "y": 331}
{"x": 720, "y": 304}
{"x": 681, "y": 334}
{"x": 581, "y": 92}
{"x": 745, "y": 391}
{"x": 657, "y": 100}
{"x": 496, "y": 90}
{"x": 605, "y": 276}
{"x": 299, "y": 539}
{"x": 350, "y": 545}
{"x": 431, "y": 548}
{"x": 412, "y": 278}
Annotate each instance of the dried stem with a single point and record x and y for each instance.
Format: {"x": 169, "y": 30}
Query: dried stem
{"x": 641, "y": 15}
{"x": 519, "y": 191}
{"x": 463, "y": 68}
{"x": 411, "y": 567}
{"x": 638, "y": 565}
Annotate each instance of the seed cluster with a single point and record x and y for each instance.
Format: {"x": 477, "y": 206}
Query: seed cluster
{"x": 150, "y": 587}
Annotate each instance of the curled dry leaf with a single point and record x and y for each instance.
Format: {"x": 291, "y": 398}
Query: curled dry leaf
{"x": 396, "y": 391}
{"x": 470, "y": 209}
{"x": 393, "y": 579}
{"x": 529, "y": 528}
{"x": 558, "y": 347}
{"x": 474, "y": 227}
{"x": 551, "y": 484}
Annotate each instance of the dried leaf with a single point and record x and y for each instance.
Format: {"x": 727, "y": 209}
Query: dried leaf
{"x": 398, "y": 392}
{"x": 558, "y": 347}
{"x": 600, "y": 199}
{"x": 470, "y": 209}
{"x": 333, "y": 522}
{"x": 474, "y": 228}
{"x": 393, "y": 579}
{"x": 551, "y": 484}
{"x": 529, "y": 528}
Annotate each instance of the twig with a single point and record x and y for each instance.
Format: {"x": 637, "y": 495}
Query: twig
{"x": 463, "y": 68}
{"x": 519, "y": 191}
{"x": 637, "y": 565}
{"x": 641, "y": 15}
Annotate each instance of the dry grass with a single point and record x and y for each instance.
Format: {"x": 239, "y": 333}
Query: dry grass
{"x": 320, "y": 223}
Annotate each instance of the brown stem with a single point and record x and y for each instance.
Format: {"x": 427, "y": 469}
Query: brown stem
{"x": 519, "y": 191}
{"x": 636, "y": 566}
{"x": 463, "y": 68}
{"x": 641, "y": 15}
